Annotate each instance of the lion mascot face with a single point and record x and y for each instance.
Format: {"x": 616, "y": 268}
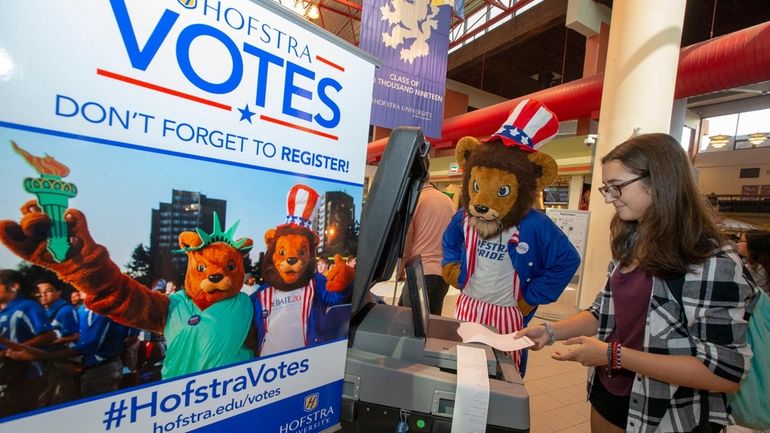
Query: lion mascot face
{"x": 500, "y": 183}
{"x": 214, "y": 264}
{"x": 289, "y": 262}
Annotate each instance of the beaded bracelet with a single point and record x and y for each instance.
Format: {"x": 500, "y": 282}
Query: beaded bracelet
{"x": 616, "y": 355}
{"x": 609, "y": 359}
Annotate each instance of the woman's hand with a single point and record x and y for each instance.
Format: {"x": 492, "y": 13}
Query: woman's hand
{"x": 536, "y": 333}
{"x": 588, "y": 351}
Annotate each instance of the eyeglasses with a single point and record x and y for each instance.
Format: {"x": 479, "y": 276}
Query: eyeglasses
{"x": 613, "y": 191}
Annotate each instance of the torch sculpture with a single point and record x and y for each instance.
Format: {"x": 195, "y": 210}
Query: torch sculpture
{"x": 53, "y": 196}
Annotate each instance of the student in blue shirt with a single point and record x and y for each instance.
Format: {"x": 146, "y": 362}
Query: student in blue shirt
{"x": 61, "y": 314}
{"x": 101, "y": 343}
{"x": 22, "y": 321}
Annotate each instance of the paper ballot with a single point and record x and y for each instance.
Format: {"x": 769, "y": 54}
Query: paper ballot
{"x": 475, "y": 333}
{"x": 472, "y": 395}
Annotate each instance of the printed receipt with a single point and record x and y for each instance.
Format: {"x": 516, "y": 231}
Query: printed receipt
{"x": 475, "y": 333}
{"x": 472, "y": 395}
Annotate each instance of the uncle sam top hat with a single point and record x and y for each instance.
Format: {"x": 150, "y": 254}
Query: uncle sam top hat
{"x": 300, "y": 205}
{"x": 529, "y": 126}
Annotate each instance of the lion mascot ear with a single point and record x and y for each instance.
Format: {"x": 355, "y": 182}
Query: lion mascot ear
{"x": 548, "y": 167}
{"x": 189, "y": 240}
{"x": 269, "y": 235}
{"x": 465, "y": 147}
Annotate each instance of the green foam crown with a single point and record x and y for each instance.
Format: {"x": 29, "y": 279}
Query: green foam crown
{"x": 217, "y": 236}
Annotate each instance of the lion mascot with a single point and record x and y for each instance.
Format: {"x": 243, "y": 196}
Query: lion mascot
{"x": 506, "y": 257}
{"x": 297, "y": 306}
{"x": 206, "y": 325}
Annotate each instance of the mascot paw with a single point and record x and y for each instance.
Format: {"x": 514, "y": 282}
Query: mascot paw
{"x": 28, "y": 240}
{"x": 339, "y": 276}
{"x": 451, "y": 274}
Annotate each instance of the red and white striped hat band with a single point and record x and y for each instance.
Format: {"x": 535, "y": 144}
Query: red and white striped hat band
{"x": 300, "y": 205}
{"x": 529, "y": 126}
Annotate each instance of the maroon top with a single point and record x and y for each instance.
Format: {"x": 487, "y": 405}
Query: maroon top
{"x": 631, "y": 298}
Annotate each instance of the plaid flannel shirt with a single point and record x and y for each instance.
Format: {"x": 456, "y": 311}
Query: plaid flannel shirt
{"x": 718, "y": 300}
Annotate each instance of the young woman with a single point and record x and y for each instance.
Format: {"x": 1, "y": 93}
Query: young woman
{"x": 755, "y": 246}
{"x": 659, "y": 367}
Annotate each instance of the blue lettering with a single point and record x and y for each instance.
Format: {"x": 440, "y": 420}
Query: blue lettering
{"x": 290, "y": 89}
{"x": 255, "y": 379}
{"x": 175, "y": 402}
{"x": 265, "y": 59}
{"x": 141, "y": 58}
{"x": 186, "y": 38}
{"x": 323, "y": 84}
{"x": 206, "y": 7}
{"x": 59, "y": 111}
{"x": 136, "y": 407}
{"x": 201, "y": 394}
{"x": 238, "y": 14}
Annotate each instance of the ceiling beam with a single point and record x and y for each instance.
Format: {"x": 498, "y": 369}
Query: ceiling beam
{"x": 346, "y": 15}
{"x": 515, "y": 31}
{"x": 350, "y": 4}
{"x": 496, "y": 3}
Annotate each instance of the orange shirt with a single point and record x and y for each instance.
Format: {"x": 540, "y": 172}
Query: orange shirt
{"x": 431, "y": 217}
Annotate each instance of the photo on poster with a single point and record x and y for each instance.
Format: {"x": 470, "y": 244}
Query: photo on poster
{"x": 189, "y": 266}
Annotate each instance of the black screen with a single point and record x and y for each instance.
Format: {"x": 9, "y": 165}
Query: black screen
{"x": 388, "y": 210}
{"x": 418, "y": 296}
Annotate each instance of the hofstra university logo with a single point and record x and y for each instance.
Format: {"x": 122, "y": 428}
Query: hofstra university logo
{"x": 311, "y": 402}
{"x": 189, "y": 4}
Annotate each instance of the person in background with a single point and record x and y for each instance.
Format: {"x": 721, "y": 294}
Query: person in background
{"x": 60, "y": 380}
{"x": 249, "y": 284}
{"x": 75, "y": 299}
{"x": 158, "y": 285}
{"x": 22, "y": 322}
{"x": 431, "y": 217}
{"x": 101, "y": 343}
{"x": 170, "y": 288}
{"x": 352, "y": 261}
{"x": 754, "y": 245}
{"x": 322, "y": 265}
{"x": 61, "y": 314}
{"x": 585, "y": 197}
{"x": 656, "y": 365}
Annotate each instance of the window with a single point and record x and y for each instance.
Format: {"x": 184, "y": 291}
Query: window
{"x": 735, "y": 131}
{"x": 749, "y": 173}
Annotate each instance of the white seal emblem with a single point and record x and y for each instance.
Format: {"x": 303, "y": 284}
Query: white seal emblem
{"x": 522, "y": 248}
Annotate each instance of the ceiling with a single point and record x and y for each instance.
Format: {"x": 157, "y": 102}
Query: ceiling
{"x": 535, "y": 50}
{"x": 490, "y": 65}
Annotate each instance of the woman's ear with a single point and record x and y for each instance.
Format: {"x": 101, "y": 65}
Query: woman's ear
{"x": 549, "y": 169}
{"x": 465, "y": 147}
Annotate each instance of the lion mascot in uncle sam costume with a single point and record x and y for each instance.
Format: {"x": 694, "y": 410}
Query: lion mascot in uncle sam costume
{"x": 297, "y": 306}
{"x": 506, "y": 257}
{"x": 206, "y": 325}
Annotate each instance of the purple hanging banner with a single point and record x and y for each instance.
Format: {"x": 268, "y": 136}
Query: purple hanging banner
{"x": 411, "y": 38}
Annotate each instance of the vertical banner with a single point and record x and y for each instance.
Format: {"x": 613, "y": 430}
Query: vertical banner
{"x": 175, "y": 162}
{"x": 411, "y": 38}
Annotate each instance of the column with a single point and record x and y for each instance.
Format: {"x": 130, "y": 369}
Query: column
{"x": 638, "y": 92}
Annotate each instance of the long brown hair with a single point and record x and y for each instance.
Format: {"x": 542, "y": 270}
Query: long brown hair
{"x": 758, "y": 246}
{"x": 678, "y": 229}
